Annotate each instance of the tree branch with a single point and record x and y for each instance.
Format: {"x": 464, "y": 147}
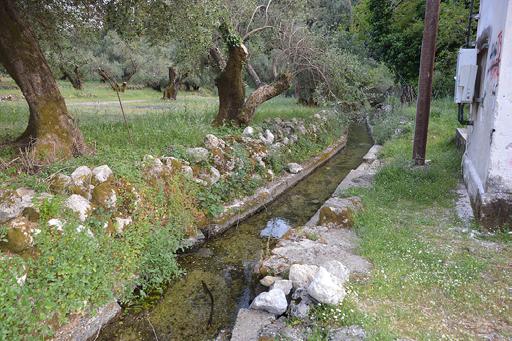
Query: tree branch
{"x": 256, "y": 30}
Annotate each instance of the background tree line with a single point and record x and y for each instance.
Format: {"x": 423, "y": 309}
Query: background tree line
{"x": 346, "y": 54}
{"x": 392, "y": 31}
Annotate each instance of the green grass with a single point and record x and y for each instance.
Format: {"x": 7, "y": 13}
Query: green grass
{"x": 428, "y": 281}
{"x": 156, "y": 126}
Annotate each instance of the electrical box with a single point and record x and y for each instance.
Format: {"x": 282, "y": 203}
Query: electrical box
{"x": 465, "y": 76}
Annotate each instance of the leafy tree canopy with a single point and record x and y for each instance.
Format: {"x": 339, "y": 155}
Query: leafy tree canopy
{"x": 393, "y": 31}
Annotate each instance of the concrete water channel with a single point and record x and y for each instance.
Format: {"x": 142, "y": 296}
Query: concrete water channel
{"x": 223, "y": 266}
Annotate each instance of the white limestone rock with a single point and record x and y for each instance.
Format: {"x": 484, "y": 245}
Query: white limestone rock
{"x": 301, "y": 275}
{"x": 79, "y": 205}
{"x": 153, "y": 167}
{"x": 12, "y": 203}
{"x": 248, "y": 131}
{"x": 187, "y": 171}
{"x": 59, "y": 183}
{"x": 294, "y": 168}
{"x": 302, "y": 130}
{"x": 283, "y": 284}
{"x": 121, "y": 223}
{"x": 337, "y": 269}
{"x": 267, "y": 137}
{"x": 198, "y": 154}
{"x": 248, "y": 324}
{"x": 56, "y": 224}
{"x": 20, "y": 232}
{"x": 104, "y": 196}
{"x": 82, "y": 176}
{"x": 101, "y": 174}
{"x": 273, "y": 301}
{"x": 214, "y": 176}
{"x": 326, "y": 288}
{"x": 211, "y": 141}
{"x": 267, "y": 281}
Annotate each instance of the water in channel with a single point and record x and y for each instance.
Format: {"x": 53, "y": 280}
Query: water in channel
{"x": 225, "y": 264}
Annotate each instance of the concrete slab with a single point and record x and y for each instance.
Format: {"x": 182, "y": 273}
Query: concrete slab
{"x": 372, "y": 153}
{"x": 249, "y": 322}
{"x": 331, "y": 243}
{"x": 461, "y": 136}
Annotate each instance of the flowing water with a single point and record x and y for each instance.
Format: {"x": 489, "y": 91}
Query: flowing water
{"x": 223, "y": 267}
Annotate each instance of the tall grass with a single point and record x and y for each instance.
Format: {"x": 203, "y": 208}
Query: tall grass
{"x": 157, "y": 126}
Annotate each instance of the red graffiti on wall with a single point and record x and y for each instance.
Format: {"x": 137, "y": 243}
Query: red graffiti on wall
{"x": 495, "y": 57}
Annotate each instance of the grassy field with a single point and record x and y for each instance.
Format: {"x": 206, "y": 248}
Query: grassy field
{"x": 430, "y": 281}
{"x": 155, "y": 125}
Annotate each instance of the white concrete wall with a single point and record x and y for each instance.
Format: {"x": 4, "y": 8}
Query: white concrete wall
{"x": 488, "y": 158}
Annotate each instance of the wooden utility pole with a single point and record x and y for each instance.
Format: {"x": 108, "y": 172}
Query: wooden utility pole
{"x": 428, "y": 51}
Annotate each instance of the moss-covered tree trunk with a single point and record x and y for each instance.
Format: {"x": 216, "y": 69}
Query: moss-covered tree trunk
{"x": 231, "y": 86}
{"x": 51, "y": 133}
{"x": 263, "y": 94}
{"x": 171, "y": 90}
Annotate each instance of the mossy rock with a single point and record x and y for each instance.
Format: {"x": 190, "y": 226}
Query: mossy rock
{"x": 80, "y": 190}
{"x": 339, "y": 211}
{"x": 104, "y": 196}
{"x": 32, "y": 214}
{"x": 20, "y": 234}
{"x": 338, "y": 216}
{"x": 59, "y": 184}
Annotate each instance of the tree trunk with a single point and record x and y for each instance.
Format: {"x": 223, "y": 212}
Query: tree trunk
{"x": 218, "y": 61}
{"x": 254, "y": 75}
{"x": 408, "y": 94}
{"x": 107, "y": 78}
{"x": 74, "y": 78}
{"x": 51, "y": 132}
{"x": 128, "y": 73}
{"x": 171, "y": 90}
{"x": 231, "y": 86}
{"x": 263, "y": 94}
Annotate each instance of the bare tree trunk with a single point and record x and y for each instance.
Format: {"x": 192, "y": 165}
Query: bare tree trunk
{"x": 254, "y": 75}
{"x": 171, "y": 90}
{"x": 263, "y": 94}
{"x": 408, "y": 94}
{"x": 106, "y": 78}
{"x": 231, "y": 86}
{"x": 218, "y": 61}
{"x": 129, "y": 71}
{"x": 127, "y": 74}
{"x": 51, "y": 131}
{"x": 74, "y": 78}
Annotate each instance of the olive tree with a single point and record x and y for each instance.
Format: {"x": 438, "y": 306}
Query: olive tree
{"x": 245, "y": 23}
{"x": 51, "y": 132}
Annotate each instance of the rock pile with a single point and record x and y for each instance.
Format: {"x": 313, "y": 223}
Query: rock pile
{"x": 216, "y": 159}
{"x": 20, "y": 217}
{"x": 86, "y": 192}
{"x": 310, "y": 284}
{"x": 97, "y": 190}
